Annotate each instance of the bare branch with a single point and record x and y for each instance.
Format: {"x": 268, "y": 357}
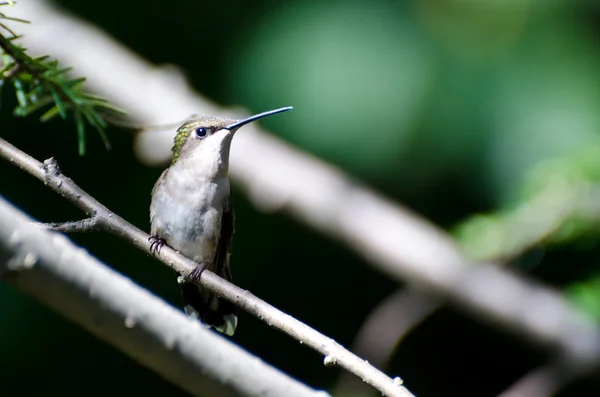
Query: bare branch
{"x": 334, "y": 353}
{"x": 86, "y": 225}
{"x": 49, "y": 267}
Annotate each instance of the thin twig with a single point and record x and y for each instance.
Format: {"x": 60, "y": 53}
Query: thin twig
{"x": 86, "y": 225}
{"x": 60, "y": 274}
{"x": 334, "y": 353}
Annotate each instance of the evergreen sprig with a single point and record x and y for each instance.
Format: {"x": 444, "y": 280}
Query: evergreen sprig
{"x": 40, "y": 82}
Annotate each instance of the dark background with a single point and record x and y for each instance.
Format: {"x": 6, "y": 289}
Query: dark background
{"x": 445, "y": 106}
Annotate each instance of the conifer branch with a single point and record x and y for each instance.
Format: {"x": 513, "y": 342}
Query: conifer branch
{"x": 41, "y": 84}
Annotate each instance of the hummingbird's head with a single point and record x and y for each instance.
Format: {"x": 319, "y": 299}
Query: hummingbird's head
{"x": 197, "y": 133}
{"x": 210, "y": 137}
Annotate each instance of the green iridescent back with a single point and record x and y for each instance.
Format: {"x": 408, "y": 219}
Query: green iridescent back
{"x": 212, "y": 124}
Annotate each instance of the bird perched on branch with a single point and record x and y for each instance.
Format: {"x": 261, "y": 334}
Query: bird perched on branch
{"x": 191, "y": 211}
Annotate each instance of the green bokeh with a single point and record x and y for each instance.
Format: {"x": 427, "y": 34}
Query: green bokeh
{"x": 357, "y": 73}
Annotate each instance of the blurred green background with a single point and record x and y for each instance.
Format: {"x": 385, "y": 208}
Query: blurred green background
{"x": 450, "y": 107}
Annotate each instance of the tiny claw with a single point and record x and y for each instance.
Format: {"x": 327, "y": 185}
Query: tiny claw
{"x": 156, "y": 243}
{"x": 195, "y": 274}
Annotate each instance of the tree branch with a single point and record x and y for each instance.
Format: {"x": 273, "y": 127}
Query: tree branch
{"x": 86, "y": 225}
{"x": 49, "y": 267}
{"x": 335, "y": 354}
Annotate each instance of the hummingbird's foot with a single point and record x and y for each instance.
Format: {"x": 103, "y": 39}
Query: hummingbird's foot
{"x": 156, "y": 243}
{"x": 195, "y": 274}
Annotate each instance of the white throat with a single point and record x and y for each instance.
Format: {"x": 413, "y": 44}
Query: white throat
{"x": 209, "y": 160}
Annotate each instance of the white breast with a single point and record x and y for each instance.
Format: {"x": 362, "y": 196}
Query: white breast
{"x": 188, "y": 217}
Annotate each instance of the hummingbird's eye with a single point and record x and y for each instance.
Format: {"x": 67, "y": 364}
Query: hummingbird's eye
{"x": 201, "y": 132}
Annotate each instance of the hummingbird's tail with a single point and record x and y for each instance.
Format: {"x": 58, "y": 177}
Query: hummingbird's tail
{"x": 200, "y": 303}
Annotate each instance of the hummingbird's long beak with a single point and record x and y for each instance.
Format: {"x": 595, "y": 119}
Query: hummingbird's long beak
{"x": 250, "y": 119}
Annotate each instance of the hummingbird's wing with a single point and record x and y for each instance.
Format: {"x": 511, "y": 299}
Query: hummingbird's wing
{"x": 224, "y": 245}
{"x": 159, "y": 180}
{"x": 205, "y": 305}
{"x": 152, "y": 203}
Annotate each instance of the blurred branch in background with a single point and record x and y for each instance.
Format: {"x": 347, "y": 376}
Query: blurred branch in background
{"x": 384, "y": 329}
{"x": 544, "y": 381}
{"x": 335, "y": 354}
{"x": 390, "y": 237}
{"x": 560, "y": 203}
{"x": 49, "y": 267}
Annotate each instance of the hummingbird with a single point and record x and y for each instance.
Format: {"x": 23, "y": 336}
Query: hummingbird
{"x": 191, "y": 211}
